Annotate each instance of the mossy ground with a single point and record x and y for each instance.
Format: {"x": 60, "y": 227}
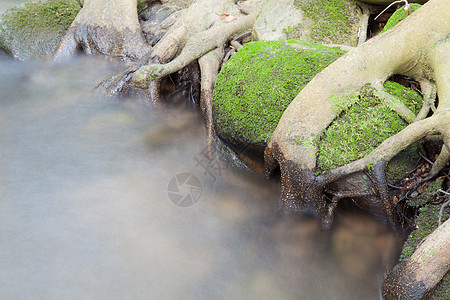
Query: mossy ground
{"x": 399, "y": 15}
{"x": 363, "y": 126}
{"x": 33, "y": 30}
{"x": 426, "y": 223}
{"x": 332, "y": 21}
{"x": 258, "y": 83}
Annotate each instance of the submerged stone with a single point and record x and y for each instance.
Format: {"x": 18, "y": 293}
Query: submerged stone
{"x": 33, "y": 30}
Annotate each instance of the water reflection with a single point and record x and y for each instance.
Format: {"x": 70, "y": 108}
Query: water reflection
{"x": 85, "y": 213}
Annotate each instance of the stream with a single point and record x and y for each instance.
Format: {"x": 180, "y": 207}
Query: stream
{"x": 112, "y": 199}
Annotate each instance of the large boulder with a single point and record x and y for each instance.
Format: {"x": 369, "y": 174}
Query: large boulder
{"x": 258, "y": 83}
{"x": 33, "y": 30}
{"x": 326, "y": 22}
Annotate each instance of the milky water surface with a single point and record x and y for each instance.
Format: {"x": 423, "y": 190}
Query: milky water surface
{"x": 86, "y": 213}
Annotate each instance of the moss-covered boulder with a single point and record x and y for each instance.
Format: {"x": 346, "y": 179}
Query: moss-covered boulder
{"x": 258, "y": 83}
{"x": 255, "y": 87}
{"x": 33, "y": 30}
{"x": 366, "y": 124}
{"x": 326, "y": 22}
{"x": 399, "y": 15}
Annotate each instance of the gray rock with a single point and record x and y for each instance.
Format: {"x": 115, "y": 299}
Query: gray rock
{"x": 33, "y": 30}
{"x": 325, "y": 22}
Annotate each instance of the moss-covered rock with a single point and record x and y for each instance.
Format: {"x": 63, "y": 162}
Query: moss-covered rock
{"x": 365, "y": 125}
{"x": 255, "y": 87}
{"x": 258, "y": 83}
{"x": 33, "y": 30}
{"x": 327, "y": 22}
{"x": 399, "y": 15}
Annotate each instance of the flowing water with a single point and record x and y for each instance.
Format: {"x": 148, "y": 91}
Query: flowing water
{"x": 90, "y": 206}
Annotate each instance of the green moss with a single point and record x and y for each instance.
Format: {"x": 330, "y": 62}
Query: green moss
{"x": 294, "y": 32}
{"x": 399, "y": 15}
{"x": 362, "y": 126}
{"x": 332, "y": 21}
{"x": 258, "y": 83}
{"x": 443, "y": 290}
{"x": 427, "y": 195}
{"x": 426, "y": 223}
{"x": 34, "y": 29}
{"x": 402, "y": 163}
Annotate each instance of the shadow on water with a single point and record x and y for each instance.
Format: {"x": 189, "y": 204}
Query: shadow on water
{"x": 86, "y": 213}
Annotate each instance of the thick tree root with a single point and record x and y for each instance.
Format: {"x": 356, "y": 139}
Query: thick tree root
{"x": 209, "y": 66}
{"x": 196, "y": 47}
{"x": 196, "y": 32}
{"x": 293, "y": 145}
{"x": 416, "y": 277}
{"x": 118, "y": 36}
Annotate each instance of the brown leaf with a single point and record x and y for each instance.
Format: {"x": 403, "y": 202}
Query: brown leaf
{"x": 395, "y": 200}
{"x": 227, "y": 18}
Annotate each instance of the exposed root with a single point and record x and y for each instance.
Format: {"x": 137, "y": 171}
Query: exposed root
{"x": 379, "y": 176}
{"x": 209, "y": 66}
{"x": 118, "y": 36}
{"x": 194, "y": 34}
{"x": 294, "y": 143}
{"x": 197, "y": 46}
{"x": 364, "y": 23}
{"x": 429, "y": 97}
{"x": 416, "y": 277}
{"x": 442, "y": 160}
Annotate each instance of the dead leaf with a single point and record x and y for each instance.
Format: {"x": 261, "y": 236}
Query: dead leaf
{"x": 395, "y": 200}
{"x": 227, "y": 18}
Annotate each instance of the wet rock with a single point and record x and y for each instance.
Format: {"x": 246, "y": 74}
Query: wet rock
{"x": 33, "y": 30}
{"x": 328, "y": 22}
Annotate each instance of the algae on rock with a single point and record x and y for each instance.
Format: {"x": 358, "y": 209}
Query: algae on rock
{"x": 33, "y": 30}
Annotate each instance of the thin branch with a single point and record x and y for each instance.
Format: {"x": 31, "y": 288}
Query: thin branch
{"x": 441, "y": 211}
{"x": 395, "y": 2}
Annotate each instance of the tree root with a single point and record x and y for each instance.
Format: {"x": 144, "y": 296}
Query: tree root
{"x": 197, "y": 46}
{"x": 293, "y": 145}
{"x": 195, "y": 33}
{"x": 209, "y": 66}
{"x": 118, "y": 36}
{"x": 416, "y": 277}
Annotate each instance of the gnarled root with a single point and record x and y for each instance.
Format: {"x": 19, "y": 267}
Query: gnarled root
{"x": 195, "y": 33}
{"x": 209, "y": 66}
{"x": 118, "y": 35}
{"x": 294, "y": 143}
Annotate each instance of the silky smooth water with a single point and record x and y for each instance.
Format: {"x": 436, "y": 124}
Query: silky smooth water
{"x": 86, "y": 213}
